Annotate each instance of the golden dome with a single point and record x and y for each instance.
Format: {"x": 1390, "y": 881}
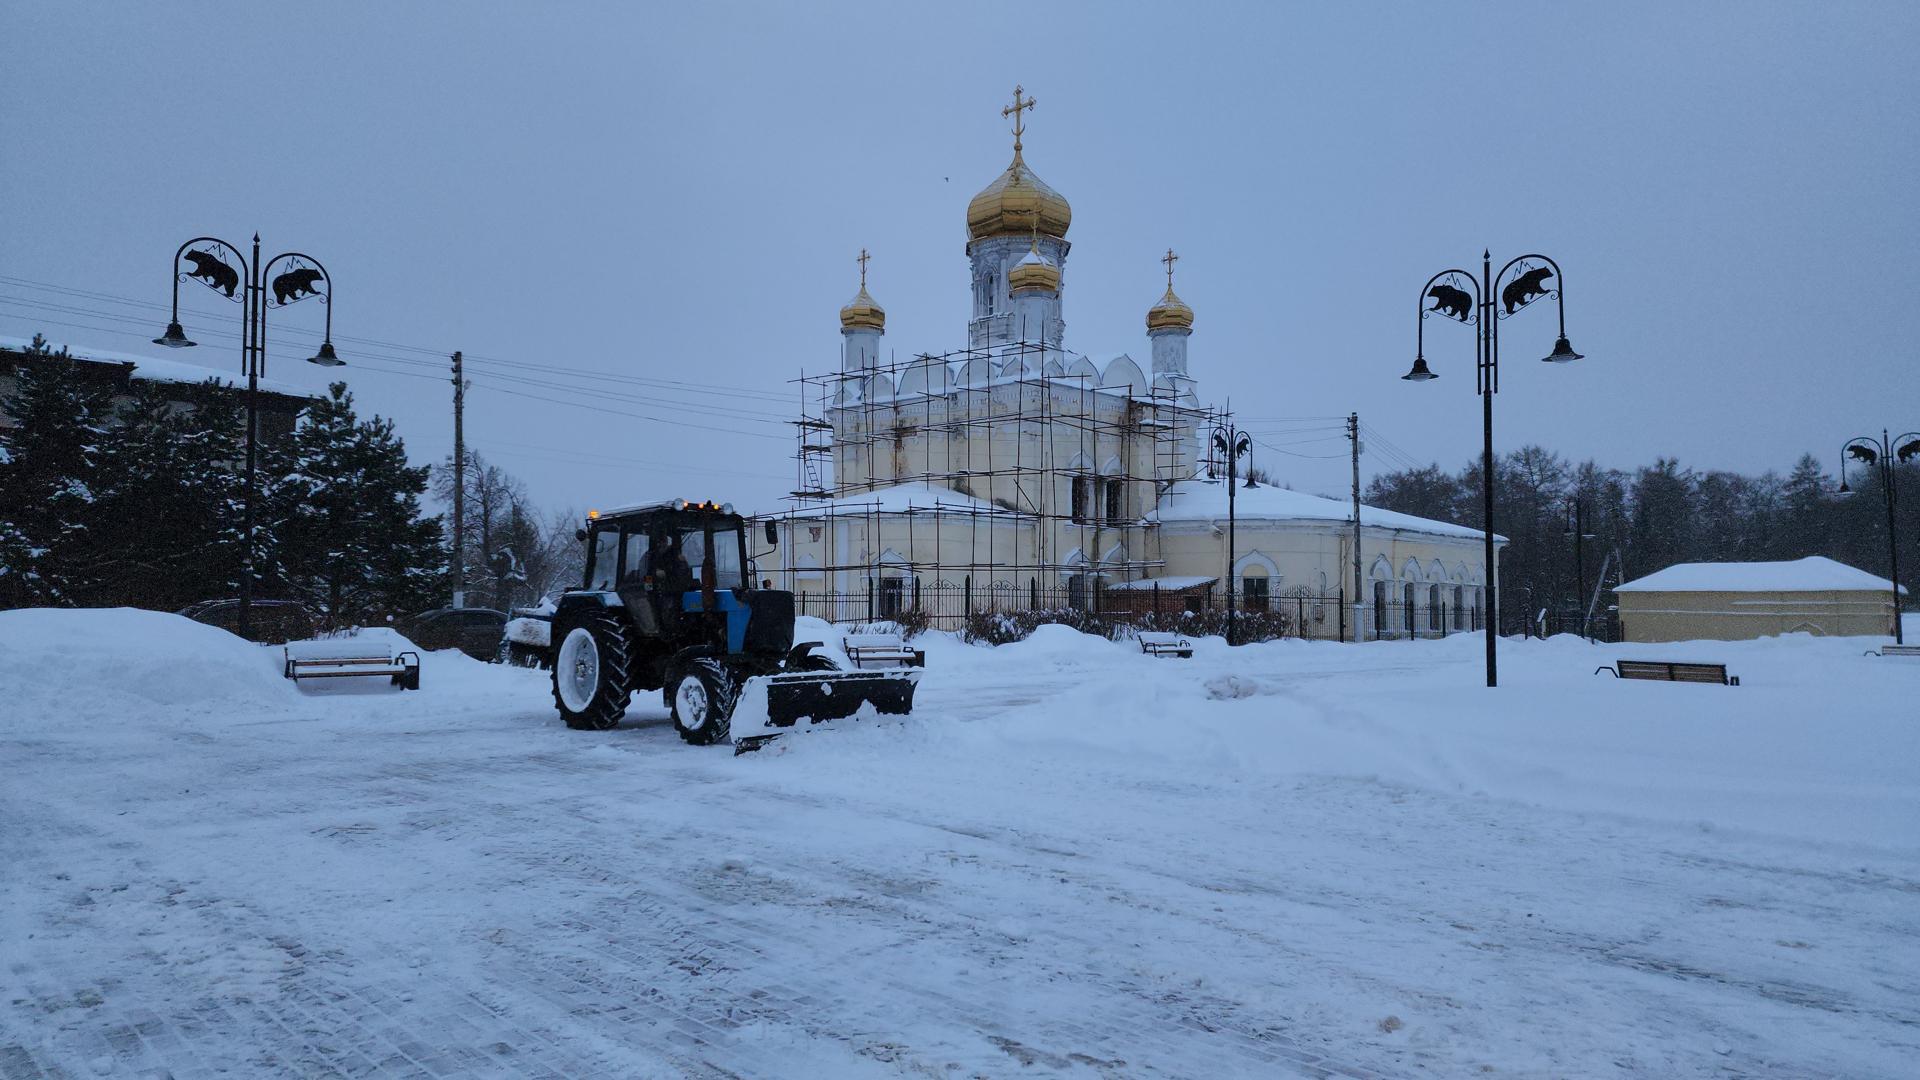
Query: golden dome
{"x": 1033, "y": 271}
{"x": 1017, "y": 203}
{"x": 863, "y": 312}
{"x": 1170, "y": 313}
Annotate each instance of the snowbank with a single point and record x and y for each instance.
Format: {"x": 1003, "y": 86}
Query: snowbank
{"x": 83, "y": 664}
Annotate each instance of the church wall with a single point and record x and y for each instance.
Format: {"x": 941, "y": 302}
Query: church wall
{"x": 1297, "y": 553}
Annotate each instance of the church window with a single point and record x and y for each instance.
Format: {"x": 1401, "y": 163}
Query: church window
{"x": 1116, "y": 502}
{"x": 893, "y": 596}
{"x": 1082, "y": 499}
{"x": 1254, "y": 593}
{"x": 1077, "y": 592}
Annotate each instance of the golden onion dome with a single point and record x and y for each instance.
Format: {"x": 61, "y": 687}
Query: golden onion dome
{"x": 1171, "y": 313}
{"x": 863, "y": 312}
{"x": 1033, "y": 271}
{"x": 1018, "y": 203}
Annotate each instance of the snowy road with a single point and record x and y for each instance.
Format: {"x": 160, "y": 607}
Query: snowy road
{"x": 1072, "y": 861}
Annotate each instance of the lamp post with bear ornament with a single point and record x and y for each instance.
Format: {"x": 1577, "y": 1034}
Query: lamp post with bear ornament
{"x": 213, "y": 262}
{"x": 1886, "y": 454}
{"x": 1475, "y": 304}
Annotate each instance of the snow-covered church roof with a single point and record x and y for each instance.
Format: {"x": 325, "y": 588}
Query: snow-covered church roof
{"x": 898, "y": 499}
{"x": 1206, "y": 500}
{"x": 1815, "y": 573}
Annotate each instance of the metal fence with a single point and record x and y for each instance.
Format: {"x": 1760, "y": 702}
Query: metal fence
{"x": 949, "y": 606}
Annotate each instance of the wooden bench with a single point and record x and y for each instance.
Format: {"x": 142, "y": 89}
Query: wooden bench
{"x": 1894, "y": 650}
{"x": 1669, "y": 671}
{"x": 1160, "y": 644}
{"x": 335, "y": 660}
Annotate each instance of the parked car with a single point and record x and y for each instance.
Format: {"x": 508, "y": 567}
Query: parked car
{"x": 274, "y": 622}
{"x": 474, "y": 631}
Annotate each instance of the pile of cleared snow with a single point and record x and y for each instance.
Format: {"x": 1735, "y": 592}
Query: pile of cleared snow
{"x": 82, "y": 664}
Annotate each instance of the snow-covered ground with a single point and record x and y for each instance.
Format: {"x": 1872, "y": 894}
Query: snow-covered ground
{"x": 1287, "y": 859}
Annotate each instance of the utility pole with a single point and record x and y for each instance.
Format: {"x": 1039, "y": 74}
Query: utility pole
{"x": 459, "y": 483}
{"x": 1359, "y": 599}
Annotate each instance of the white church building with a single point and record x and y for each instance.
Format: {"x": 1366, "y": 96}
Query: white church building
{"x": 1018, "y": 473}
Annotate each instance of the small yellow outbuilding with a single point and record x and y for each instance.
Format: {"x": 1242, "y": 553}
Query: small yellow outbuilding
{"x": 1734, "y": 601}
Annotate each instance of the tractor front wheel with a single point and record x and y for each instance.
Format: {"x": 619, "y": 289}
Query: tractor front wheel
{"x": 592, "y": 672}
{"x": 701, "y": 693}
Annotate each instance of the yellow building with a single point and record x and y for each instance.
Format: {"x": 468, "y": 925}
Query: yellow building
{"x": 1736, "y": 601}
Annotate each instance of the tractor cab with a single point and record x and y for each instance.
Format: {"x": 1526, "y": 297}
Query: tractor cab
{"x": 681, "y": 570}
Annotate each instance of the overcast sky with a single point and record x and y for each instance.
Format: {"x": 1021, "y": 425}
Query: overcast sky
{"x": 677, "y": 192}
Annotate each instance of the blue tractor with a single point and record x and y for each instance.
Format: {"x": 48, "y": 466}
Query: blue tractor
{"x": 669, "y": 603}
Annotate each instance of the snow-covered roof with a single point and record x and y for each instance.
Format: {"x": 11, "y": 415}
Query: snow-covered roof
{"x": 1815, "y": 573}
{"x": 1206, "y": 500}
{"x": 155, "y": 369}
{"x": 1171, "y": 581}
{"x": 898, "y": 499}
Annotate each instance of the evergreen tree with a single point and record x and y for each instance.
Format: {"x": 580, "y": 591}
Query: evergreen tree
{"x": 51, "y": 464}
{"x": 171, "y": 510}
{"x": 1806, "y": 507}
{"x": 343, "y": 511}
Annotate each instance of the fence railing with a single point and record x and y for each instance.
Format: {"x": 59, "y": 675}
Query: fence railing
{"x": 949, "y": 606}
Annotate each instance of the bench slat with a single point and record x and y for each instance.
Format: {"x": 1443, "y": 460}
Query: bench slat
{"x": 1673, "y": 671}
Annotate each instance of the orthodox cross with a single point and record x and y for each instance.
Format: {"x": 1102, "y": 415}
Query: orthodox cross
{"x": 1170, "y": 258}
{"x": 863, "y": 267}
{"x": 1014, "y": 110}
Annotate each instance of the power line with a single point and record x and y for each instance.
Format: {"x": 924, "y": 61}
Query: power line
{"x": 751, "y": 416}
{"x": 731, "y": 392}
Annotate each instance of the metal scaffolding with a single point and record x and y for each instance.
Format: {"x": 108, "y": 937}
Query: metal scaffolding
{"x": 1017, "y": 447}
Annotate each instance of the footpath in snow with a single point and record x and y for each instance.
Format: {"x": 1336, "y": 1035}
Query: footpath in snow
{"x": 1288, "y": 859}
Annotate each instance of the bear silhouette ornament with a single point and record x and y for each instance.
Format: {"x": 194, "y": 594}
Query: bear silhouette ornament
{"x": 295, "y": 284}
{"x": 216, "y": 274}
{"x": 1451, "y": 302}
{"x": 1522, "y": 290}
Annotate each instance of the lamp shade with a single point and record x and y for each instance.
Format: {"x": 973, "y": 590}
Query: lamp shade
{"x": 1420, "y": 372}
{"x": 174, "y": 338}
{"x": 1562, "y": 352}
{"x": 326, "y": 357}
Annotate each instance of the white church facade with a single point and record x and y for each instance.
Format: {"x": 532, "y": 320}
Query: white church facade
{"x": 1017, "y": 473}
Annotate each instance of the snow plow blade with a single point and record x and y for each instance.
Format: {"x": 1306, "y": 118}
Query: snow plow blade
{"x": 770, "y": 706}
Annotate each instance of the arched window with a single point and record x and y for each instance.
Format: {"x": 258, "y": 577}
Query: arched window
{"x": 1256, "y": 591}
{"x": 1435, "y": 612}
{"x": 1406, "y": 617}
{"x": 1379, "y": 608}
{"x": 1459, "y": 601}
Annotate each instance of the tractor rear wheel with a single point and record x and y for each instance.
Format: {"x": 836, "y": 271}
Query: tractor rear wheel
{"x": 701, "y": 693}
{"x": 592, "y": 672}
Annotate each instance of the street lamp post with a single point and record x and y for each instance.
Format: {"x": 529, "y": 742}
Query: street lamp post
{"x": 1885, "y": 453}
{"x": 212, "y": 264}
{"x": 1232, "y": 442}
{"x": 1476, "y": 304}
{"x": 1577, "y": 528}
